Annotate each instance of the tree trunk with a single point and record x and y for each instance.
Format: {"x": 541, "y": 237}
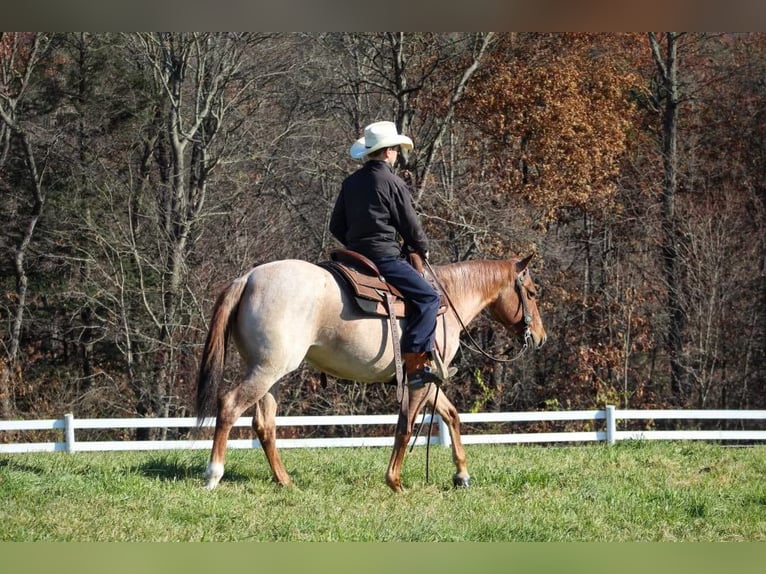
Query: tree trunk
{"x": 668, "y": 68}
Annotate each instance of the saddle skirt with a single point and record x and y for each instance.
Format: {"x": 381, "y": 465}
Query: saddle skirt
{"x": 361, "y": 278}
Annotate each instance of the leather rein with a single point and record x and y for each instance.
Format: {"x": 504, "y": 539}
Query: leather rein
{"x": 474, "y": 346}
{"x": 519, "y": 284}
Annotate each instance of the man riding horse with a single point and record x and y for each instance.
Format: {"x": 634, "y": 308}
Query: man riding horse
{"x": 373, "y": 210}
{"x": 282, "y": 313}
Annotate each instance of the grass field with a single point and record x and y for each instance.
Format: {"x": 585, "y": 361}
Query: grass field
{"x": 627, "y": 492}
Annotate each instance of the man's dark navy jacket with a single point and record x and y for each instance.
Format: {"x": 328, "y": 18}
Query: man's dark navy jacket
{"x": 374, "y": 205}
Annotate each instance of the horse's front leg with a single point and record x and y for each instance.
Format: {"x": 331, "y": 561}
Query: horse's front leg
{"x": 449, "y": 414}
{"x": 411, "y": 403}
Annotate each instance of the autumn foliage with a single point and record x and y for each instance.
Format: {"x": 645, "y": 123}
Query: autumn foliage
{"x": 139, "y": 172}
{"x": 552, "y": 116}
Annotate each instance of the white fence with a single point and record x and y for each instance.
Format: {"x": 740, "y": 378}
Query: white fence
{"x": 68, "y": 426}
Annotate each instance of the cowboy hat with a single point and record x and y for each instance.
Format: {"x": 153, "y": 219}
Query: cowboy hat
{"x": 377, "y": 136}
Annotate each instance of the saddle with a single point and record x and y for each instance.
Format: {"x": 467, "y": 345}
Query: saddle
{"x": 371, "y": 292}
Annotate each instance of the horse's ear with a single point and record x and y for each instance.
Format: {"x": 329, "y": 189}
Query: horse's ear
{"x": 522, "y": 264}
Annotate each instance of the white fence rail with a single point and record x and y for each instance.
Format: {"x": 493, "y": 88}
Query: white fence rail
{"x": 610, "y": 434}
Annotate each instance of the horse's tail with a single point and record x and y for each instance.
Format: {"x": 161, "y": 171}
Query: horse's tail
{"x": 214, "y": 353}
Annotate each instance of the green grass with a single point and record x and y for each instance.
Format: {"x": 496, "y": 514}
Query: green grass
{"x": 628, "y": 492}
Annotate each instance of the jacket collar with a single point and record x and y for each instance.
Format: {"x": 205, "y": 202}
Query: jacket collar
{"x": 379, "y": 164}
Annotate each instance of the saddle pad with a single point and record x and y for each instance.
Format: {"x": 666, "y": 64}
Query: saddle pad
{"x": 368, "y": 290}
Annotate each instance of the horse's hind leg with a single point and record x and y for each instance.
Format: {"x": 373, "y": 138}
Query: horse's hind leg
{"x": 450, "y": 416}
{"x": 265, "y": 426}
{"x": 231, "y": 406}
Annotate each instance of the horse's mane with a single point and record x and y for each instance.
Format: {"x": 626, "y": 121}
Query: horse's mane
{"x": 468, "y": 277}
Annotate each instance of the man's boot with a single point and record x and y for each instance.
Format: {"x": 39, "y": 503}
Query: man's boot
{"x": 420, "y": 369}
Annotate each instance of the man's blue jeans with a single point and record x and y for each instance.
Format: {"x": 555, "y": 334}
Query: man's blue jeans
{"x": 420, "y": 328}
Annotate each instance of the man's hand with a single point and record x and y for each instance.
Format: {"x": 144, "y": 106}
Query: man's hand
{"x": 416, "y": 260}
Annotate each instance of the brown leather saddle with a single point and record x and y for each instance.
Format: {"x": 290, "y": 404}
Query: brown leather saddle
{"x": 370, "y": 290}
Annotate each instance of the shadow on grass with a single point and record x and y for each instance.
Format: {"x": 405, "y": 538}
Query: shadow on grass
{"x": 173, "y": 470}
{"x": 22, "y": 467}
{"x": 167, "y": 469}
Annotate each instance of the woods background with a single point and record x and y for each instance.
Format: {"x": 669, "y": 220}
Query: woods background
{"x": 140, "y": 172}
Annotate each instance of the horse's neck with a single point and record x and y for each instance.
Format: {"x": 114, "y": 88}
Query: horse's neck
{"x": 473, "y": 285}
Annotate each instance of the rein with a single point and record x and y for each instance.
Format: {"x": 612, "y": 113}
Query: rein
{"x": 430, "y": 426}
{"x": 474, "y": 346}
{"x": 519, "y": 284}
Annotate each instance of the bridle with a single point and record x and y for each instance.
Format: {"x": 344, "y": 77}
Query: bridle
{"x": 523, "y": 298}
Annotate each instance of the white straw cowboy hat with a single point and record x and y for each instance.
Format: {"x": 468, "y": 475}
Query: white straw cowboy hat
{"x": 378, "y": 136}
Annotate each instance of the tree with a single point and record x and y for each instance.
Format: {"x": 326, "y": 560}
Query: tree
{"x": 552, "y": 117}
{"x": 23, "y": 168}
{"x": 416, "y": 79}
{"x": 721, "y": 218}
{"x": 198, "y": 82}
{"x": 669, "y": 97}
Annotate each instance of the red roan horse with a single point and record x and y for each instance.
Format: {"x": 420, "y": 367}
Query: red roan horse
{"x": 284, "y": 312}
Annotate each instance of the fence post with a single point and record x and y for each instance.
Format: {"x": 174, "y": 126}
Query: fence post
{"x": 444, "y": 438}
{"x": 69, "y": 432}
{"x": 611, "y": 425}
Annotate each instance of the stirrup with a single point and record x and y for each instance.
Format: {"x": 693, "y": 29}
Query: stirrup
{"x": 444, "y": 373}
{"x": 421, "y": 377}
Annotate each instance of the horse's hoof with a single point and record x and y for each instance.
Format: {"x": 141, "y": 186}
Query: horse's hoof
{"x": 461, "y": 481}
{"x": 214, "y": 474}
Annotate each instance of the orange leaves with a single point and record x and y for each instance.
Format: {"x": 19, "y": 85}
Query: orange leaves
{"x": 553, "y": 114}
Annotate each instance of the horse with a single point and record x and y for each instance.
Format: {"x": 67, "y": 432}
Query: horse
{"x": 284, "y": 312}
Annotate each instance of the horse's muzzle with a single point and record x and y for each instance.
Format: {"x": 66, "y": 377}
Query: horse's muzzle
{"x": 535, "y": 340}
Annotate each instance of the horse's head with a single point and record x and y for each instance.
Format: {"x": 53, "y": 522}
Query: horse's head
{"x": 516, "y": 306}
